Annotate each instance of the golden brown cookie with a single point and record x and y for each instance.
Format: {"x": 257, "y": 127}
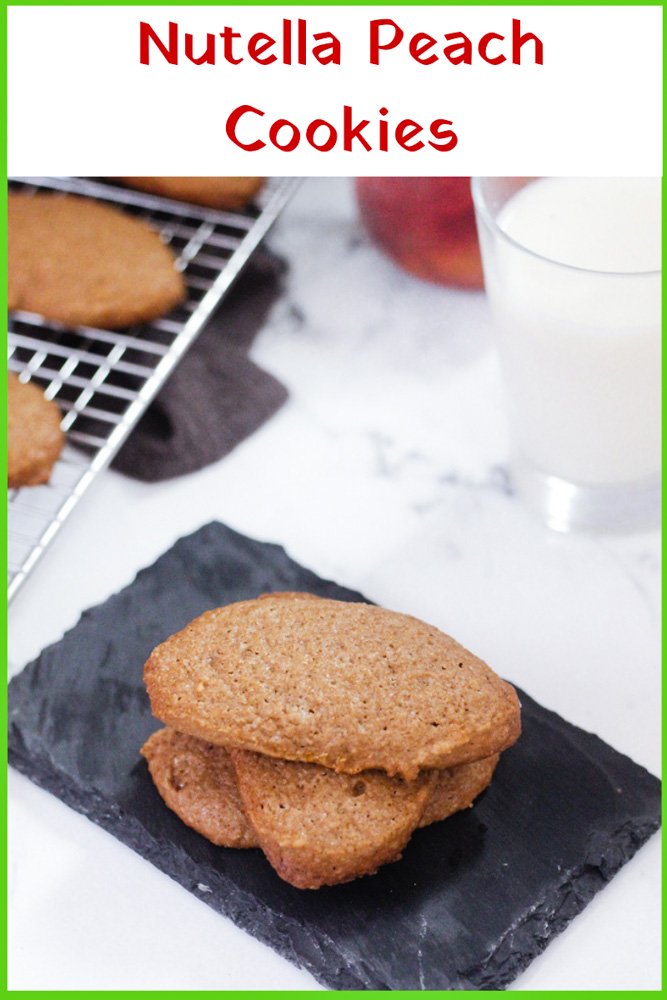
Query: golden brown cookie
{"x": 211, "y": 192}
{"x": 83, "y": 263}
{"x": 197, "y": 781}
{"x": 34, "y": 437}
{"x": 350, "y": 686}
{"x": 457, "y": 788}
{"x": 315, "y": 826}
{"x": 318, "y": 827}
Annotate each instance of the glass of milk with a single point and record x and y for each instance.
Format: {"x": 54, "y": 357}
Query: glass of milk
{"x": 572, "y": 272}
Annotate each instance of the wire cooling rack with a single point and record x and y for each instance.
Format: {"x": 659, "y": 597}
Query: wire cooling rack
{"x": 103, "y": 380}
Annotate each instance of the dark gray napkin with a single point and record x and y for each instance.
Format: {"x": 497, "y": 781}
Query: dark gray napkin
{"x": 216, "y": 397}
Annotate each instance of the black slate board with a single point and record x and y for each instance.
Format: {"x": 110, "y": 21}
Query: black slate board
{"x": 472, "y": 901}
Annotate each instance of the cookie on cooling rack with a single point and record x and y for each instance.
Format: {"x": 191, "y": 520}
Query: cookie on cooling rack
{"x": 34, "y": 437}
{"x": 211, "y": 192}
{"x": 82, "y": 263}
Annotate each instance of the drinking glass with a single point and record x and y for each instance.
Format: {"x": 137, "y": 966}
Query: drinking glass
{"x": 580, "y": 356}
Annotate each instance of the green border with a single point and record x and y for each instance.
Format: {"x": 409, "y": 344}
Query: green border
{"x": 260, "y": 994}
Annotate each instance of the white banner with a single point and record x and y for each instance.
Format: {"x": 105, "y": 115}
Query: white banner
{"x": 335, "y": 90}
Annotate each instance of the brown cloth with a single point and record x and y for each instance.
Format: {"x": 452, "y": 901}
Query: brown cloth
{"x": 216, "y": 397}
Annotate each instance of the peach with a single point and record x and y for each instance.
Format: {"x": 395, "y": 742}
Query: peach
{"x": 425, "y": 224}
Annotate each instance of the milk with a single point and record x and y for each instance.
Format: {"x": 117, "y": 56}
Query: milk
{"x": 574, "y": 284}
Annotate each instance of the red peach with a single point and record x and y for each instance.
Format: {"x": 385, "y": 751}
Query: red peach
{"x": 425, "y": 224}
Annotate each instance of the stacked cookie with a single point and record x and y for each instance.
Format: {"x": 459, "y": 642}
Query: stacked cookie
{"x": 323, "y": 732}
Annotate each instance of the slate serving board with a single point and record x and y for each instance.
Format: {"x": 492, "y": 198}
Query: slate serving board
{"x": 473, "y": 899}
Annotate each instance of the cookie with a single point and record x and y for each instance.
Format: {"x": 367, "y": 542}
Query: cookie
{"x": 211, "y": 192}
{"x": 79, "y": 262}
{"x": 317, "y": 827}
{"x": 350, "y": 686}
{"x": 457, "y": 788}
{"x": 198, "y": 782}
{"x": 34, "y": 436}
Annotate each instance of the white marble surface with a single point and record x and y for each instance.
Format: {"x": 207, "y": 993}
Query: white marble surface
{"x": 385, "y": 470}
